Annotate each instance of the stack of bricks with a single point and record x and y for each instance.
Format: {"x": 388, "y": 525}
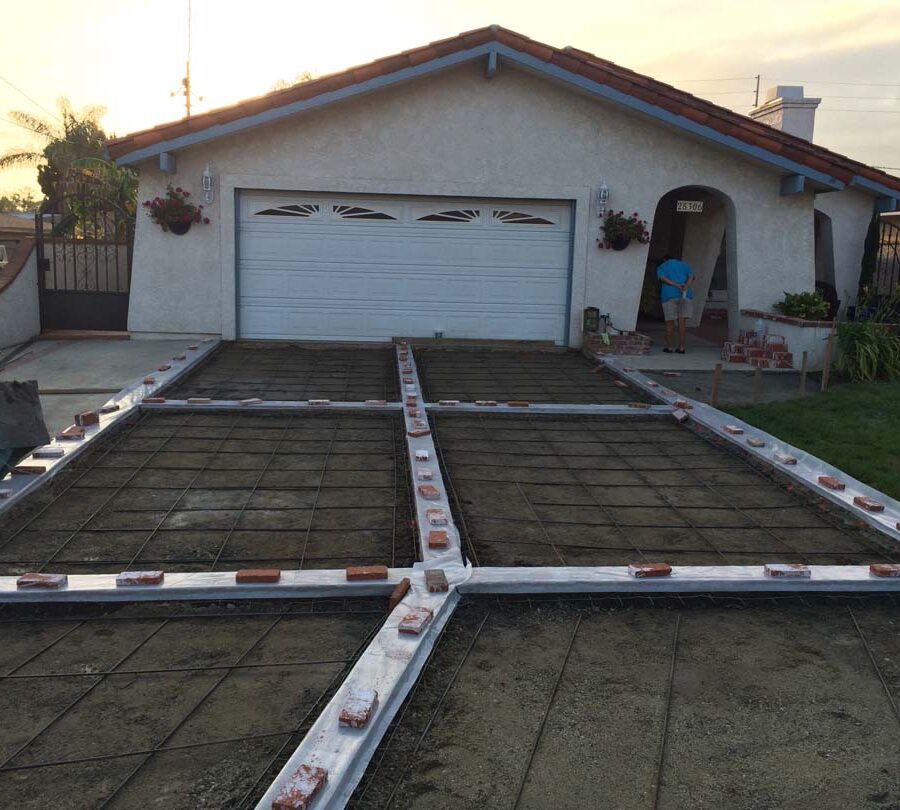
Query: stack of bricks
{"x": 626, "y": 343}
{"x": 760, "y": 351}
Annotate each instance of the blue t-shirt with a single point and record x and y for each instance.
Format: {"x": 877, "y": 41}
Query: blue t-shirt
{"x": 676, "y": 271}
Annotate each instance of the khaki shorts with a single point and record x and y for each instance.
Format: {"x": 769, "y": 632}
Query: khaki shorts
{"x": 676, "y": 308}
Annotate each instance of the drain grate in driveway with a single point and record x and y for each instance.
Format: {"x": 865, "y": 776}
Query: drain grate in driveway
{"x": 195, "y": 492}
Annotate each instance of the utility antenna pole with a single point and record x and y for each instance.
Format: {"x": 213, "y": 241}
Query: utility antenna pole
{"x": 186, "y": 81}
{"x": 755, "y": 98}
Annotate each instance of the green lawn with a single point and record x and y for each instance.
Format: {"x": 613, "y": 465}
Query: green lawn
{"x": 856, "y": 427}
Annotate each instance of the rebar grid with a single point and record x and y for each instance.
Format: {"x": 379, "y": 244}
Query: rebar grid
{"x": 285, "y": 372}
{"x": 696, "y": 471}
{"x": 553, "y": 376}
{"x": 156, "y": 620}
{"x": 208, "y": 487}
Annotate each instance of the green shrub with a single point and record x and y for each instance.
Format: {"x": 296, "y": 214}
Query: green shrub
{"x": 807, "y": 305}
{"x": 867, "y": 351}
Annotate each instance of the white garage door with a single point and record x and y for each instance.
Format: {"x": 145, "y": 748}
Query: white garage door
{"x": 328, "y": 267}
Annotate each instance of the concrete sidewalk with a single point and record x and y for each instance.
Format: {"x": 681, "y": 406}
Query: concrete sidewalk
{"x": 79, "y": 375}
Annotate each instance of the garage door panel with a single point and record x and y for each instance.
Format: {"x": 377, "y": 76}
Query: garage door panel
{"x": 323, "y": 277}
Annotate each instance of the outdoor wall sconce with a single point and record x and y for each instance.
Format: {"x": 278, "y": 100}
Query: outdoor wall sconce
{"x": 602, "y": 200}
{"x": 207, "y": 182}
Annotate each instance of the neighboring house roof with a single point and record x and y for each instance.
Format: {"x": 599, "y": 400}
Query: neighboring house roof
{"x": 11, "y": 223}
{"x": 824, "y": 168}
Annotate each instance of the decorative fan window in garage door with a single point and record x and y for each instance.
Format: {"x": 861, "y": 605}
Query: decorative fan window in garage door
{"x": 358, "y": 212}
{"x": 303, "y": 210}
{"x": 519, "y": 218}
{"x": 455, "y": 215}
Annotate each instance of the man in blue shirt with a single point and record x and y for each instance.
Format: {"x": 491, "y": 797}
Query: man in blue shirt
{"x": 676, "y": 279}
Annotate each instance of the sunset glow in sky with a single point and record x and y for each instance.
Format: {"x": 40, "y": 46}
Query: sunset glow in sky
{"x": 128, "y": 55}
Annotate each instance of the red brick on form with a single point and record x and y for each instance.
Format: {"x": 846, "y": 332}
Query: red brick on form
{"x": 517, "y": 403}
{"x": 149, "y": 380}
{"x": 71, "y": 433}
{"x": 831, "y": 483}
{"x": 398, "y": 593}
{"x": 363, "y": 572}
{"x": 784, "y": 458}
{"x": 48, "y": 452}
{"x": 869, "y": 504}
{"x": 415, "y": 621}
{"x": 429, "y": 492}
{"x": 358, "y": 708}
{"x": 486, "y": 403}
{"x": 46, "y": 582}
{"x": 788, "y": 570}
{"x": 641, "y": 570}
{"x": 87, "y": 418}
{"x": 424, "y": 473}
{"x": 154, "y": 400}
{"x": 734, "y": 430}
{"x": 130, "y": 578}
{"x": 199, "y": 400}
{"x": 253, "y": 576}
{"x": 376, "y": 402}
{"x": 436, "y": 517}
{"x": 436, "y": 580}
{"x": 250, "y": 401}
{"x": 885, "y": 569}
{"x": 754, "y": 442}
{"x": 421, "y": 455}
{"x": 418, "y": 434}
{"x": 111, "y": 408}
{"x": 301, "y": 789}
{"x": 28, "y": 469}
{"x": 437, "y": 538}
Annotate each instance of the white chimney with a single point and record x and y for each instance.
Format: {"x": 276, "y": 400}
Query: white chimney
{"x": 786, "y": 108}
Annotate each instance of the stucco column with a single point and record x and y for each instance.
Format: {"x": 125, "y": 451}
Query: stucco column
{"x": 702, "y": 240}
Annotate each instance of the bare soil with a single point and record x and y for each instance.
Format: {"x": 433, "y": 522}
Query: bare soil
{"x": 533, "y": 490}
{"x": 169, "y": 705}
{"x": 745, "y": 704}
{"x": 196, "y": 492}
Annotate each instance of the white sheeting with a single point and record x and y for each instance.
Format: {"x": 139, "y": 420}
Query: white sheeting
{"x": 232, "y": 405}
{"x": 552, "y": 408}
{"x": 127, "y": 399}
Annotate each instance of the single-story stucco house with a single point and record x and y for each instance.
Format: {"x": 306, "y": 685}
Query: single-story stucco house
{"x": 456, "y": 189}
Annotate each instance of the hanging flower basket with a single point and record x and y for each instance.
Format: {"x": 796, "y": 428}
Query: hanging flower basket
{"x": 174, "y": 212}
{"x": 620, "y": 231}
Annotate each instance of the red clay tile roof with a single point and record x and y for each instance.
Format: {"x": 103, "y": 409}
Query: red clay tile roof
{"x": 578, "y": 62}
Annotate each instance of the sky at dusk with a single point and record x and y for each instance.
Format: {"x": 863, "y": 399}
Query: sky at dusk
{"x": 129, "y": 55}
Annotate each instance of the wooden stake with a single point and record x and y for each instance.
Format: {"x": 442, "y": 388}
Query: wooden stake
{"x": 716, "y": 382}
{"x": 804, "y": 366}
{"x": 826, "y": 366}
{"x": 757, "y": 384}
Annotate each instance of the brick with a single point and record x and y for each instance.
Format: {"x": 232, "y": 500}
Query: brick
{"x": 643, "y": 405}
{"x": 760, "y": 362}
{"x": 87, "y": 418}
{"x": 671, "y": 374}
{"x": 412, "y": 401}
{"x": 180, "y": 357}
{"x": 784, "y": 363}
{"x": 436, "y": 580}
{"x": 422, "y": 455}
{"x": 736, "y": 358}
{"x": 28, "y": 469}
{"x": 193, "y": 348}
{"x": 376, "y": 402}
{"x": 132, "y": 578}
{"x": 415, "y": 621}
{"x": 407, "y": 380}
{"x": 363, "y": 572}
{"x": 517, "y": 403}
{"x": 424, "y": 473}
{"x": 486, "y": 403}
{"x": 301, "y": 789}
{"x": 163, "y": 367}
{"x": 436, "y": 517}
{"x": 429, "y": 492}
{"x": 680, "y": 415}
{"x": 398, "y": 593}
{"x": 44, "y": 582}
{"x": 784, "y": 458}
{"x": 413, "y": 412}
{"x": 111, "y": 408}
{"x": 198, "y": 400}
{"x": 831, "y": 483}
{"x": 787, "y": 570}
{"x": 149, "y": 380}
{"x": 448, "y": 402}
{"x": 869, "y": 504}
{"x": 641, "y": 570}
{"x": 620, "y": 383}
{"x": 254, "y": 576}
{"x": 734, "y": 430}
{"x": 754, "y": 442}
{"x": 318, "y": 402}
{"x": 71, "y": 433}
{"x": 418, "y": 434}
{"x": 627, "y": 368}
{"x": 48, "y": 452}
{"x": 251, "y": 401}
{"x": 407, "y": 370}
{"x": 885, "y": 569}
{"x": 358, "y": 708}
{"x": 154, "y": 400}
{"x": 438, "y": 538}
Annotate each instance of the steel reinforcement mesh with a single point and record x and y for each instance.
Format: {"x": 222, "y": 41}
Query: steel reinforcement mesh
{"x": 635, "y": 703}
{"x": 189, "y": 491}
{"x": 535, "y": 490}
{"x": 175, "y": 705}
{"x": 284, "y": 371}
{"x": 565, "y": 377}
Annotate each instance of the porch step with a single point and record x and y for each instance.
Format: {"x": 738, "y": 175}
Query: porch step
{"x": 758, "y": 351}
{"x": 83, "y": 334}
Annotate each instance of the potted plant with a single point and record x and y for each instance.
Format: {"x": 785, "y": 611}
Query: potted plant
{"x": 174, "y": 212}
{"x": 619, "y": 230}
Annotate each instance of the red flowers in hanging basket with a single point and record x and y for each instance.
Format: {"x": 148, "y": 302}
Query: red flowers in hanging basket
{"x": 174, "y": 212}
{"x": 619, "y": 231}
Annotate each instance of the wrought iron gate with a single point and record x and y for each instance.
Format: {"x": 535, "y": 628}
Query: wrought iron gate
{"x": 84, "y": 255}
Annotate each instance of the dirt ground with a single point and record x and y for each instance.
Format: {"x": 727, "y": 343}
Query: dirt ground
{"x": 610, "y": 491}
{"x": 285, "y": 371}
{"x": 168, "y": 705}
{"x": 769, "y": 705}
{"x": 550, "y": 376}
{"x": 196, "y": 492}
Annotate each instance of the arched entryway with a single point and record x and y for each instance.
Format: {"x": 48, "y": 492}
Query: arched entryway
{"x": 824, "y": 251}
{"x": 695, "y": 224}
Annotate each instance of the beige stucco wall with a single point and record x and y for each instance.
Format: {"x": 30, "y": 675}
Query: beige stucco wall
{"x": 850, "y": 213}
{"x": 458, "y": 134}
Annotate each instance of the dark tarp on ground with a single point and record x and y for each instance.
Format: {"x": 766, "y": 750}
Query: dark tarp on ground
{"x": 21, "y": 418}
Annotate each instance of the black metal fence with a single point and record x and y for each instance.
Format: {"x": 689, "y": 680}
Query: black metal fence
{"x": 887, "y": 261}
{"x": 84, "y": 252}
